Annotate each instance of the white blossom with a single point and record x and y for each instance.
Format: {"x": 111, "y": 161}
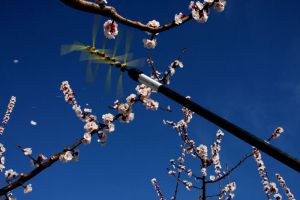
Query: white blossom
{"x": 143, "y": 90}
{"x": 203, "y": 17}
{"x": 151, "y": 104}
{"x": 27, "y": 151}
{"x": 277, "y": 132}
{"x": 2, "y": 167}
{"x": 10, "y": 174}
{"x": 131, "y": 98}
{"x": 150, "y": 44}
{"x": 202, "y": 151}
{"x": 28, "y": 188}
{"x": 110, "y": 29}
{"x": 107, "y": 118}
{"x": 2, "y": 149}
{"x": 2, "y": 160}
{"x": 220, "y": 5}
{"x": 178, "y": 18}
{"x": 66, "y": 157}
{"x": 189, "y": 172}
{"x": 87, "y": 138}
{"x": 203, "y": 171}
{"x": 153, "y": 24}
{"x": 91, "y": 126}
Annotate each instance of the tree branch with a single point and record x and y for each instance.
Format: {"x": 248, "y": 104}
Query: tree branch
{"x": 111, "y": 12}
{"x": 26, "y": 177}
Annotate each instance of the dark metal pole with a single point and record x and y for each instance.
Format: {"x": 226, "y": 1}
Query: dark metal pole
{"x": 219, "y": 121}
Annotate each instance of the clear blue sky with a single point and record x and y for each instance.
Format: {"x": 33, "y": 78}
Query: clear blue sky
{"x": 243, "y": 64}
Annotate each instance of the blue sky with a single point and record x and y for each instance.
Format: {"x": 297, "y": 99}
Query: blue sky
{"x": 242, "y": 64}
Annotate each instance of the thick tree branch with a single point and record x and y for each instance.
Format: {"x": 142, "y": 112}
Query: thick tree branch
{"x": 111, "y": 12}
{"x": 26, "y": 177}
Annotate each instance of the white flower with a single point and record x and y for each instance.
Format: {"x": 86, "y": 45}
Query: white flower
{"x": 107, "y": 118}
{"x": 220, "y": 5}
{"x": 209, "y": 1}
{"x": 87, "y": 138}
{"x": 110, "y": 29}
{"x": 2, "y": 149}
{"x": 196, "y": 6}
{"x": 188, "y": 185}
{"x": 131, "y": 98}
{"x": 151, "y": 104}
{"x": 67, "y": 156}
{"x": 91, "y": 126}
{"x": 175, "y": 64}
{"x": 190, "y": 172}
{"x": 28, "y": 188}
{"x": 143, "y": 90}
{"x": 10, "y": 174}
{"x": 153, "y": 181}
{"x": 278, "y": 131}
{"x": 124, "y": 109}
{"x": 203, "y": 172}
{"x": 149, "y": 44}
{"x": 2, "y": 160}
{"x": 203, "y": 17}
{"x": 87, "y": 110}
{"x": 202, "y": 151}
{"x": 2, "y": 167}
{"x": 78, "y": 111}
{"x": 127, "y": 118}
{"x": 111, "y": 127}
{"x": 178, "y": 18}
{"x": 11, "y": 196}
{"x": 27, "y": 151}
{"x": 277, "y": 196}
{"x": 153, "y": 24}
{"x": 171, "y": 172}
{"x": 212, "y": 178}
{"x": 219, "y": 133}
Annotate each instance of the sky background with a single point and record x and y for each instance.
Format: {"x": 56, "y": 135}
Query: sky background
{"x": 242, "y": 64}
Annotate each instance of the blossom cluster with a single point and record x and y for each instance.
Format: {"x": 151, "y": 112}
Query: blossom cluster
{"x": 200, "y": 11}
{"x": 262, "y": 171}
{"x": 91, "y": 123}
{"x": 2, "y": 158}
{"x": 9, "y": 110}
{"x": 165, "y": 78}
{"x": 125, "y": 109}
{"x": 11, "y": 174}
{"x": 285, "y": 187}
{"x": 215, "y": 149}
{"x": 229, "y": 188}
{"x": 152, "y": 42}
{"x": 277, "y": 132}
{"x": 157, "y": 188}
{"x": 144, "y": 95}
